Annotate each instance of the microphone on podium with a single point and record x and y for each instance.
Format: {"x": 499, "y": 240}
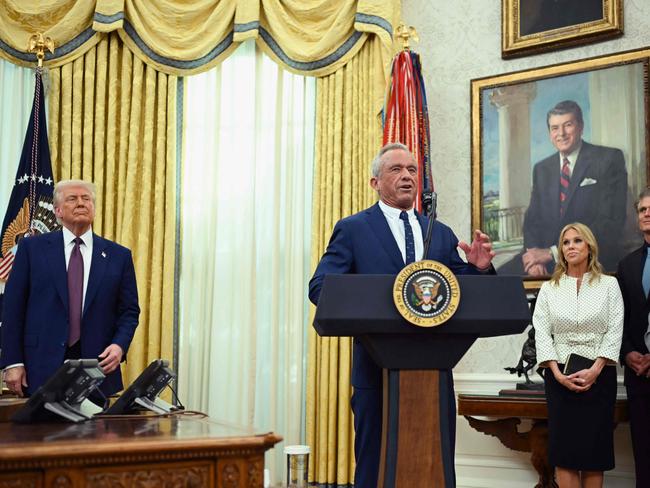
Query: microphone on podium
{"x": 429, "y": 207}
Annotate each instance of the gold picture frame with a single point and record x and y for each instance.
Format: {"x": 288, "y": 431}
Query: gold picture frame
{"x": 510, "y": 136}
{"x": 535, "y": 26}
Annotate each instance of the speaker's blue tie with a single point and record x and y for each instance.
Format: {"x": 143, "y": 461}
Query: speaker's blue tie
{"x": 410, "y": 241}
{"x": 645, "y": 280}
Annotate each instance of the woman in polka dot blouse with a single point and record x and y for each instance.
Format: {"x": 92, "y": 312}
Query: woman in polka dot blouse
{"x": 580, "y": 310}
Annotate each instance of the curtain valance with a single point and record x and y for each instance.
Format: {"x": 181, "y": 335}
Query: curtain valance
{"x": 311, "y": 37}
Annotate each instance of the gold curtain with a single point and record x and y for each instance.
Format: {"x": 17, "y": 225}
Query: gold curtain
{"x": 309, "y": 37}
{"x": 112, "y": 120}
{"x": 348, "y": 134}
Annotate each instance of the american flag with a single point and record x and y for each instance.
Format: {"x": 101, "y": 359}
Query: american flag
{"x": 30, "y": 210}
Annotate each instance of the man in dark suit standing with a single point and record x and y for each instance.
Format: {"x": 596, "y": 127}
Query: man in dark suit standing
{"x": 71, "y": 294}
{"x": 581, "y": 182}
{"x": 634, "y": 279}
{"x": 382, "y": 240}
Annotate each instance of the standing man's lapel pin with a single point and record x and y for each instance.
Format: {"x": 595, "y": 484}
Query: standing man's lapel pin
{"x": 103, "y": 254}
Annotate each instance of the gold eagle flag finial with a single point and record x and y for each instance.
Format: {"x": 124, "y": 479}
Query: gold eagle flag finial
{"x": 406, "y": 34}
{"x": 38, "y": 44}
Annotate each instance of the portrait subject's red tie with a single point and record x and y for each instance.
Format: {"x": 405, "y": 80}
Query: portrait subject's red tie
{"x": 565, "y": 180}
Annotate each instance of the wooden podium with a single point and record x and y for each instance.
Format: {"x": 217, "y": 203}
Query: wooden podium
{"x": 418, "y": 427}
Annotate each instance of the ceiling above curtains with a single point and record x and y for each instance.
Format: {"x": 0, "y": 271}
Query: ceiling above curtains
{"x": 180, "y": 38}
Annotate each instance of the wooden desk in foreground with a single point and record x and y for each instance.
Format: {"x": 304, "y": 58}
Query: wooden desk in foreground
{"x": 180, "y": 451}
{"x": 509, "y": 410}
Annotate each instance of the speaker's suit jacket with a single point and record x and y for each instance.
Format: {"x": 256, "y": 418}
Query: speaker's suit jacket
{"x": 635, "y": 324}
{"x": 35, "y": 314}
{"x": 364, "y": 244}
{"x": 597, "y": 197}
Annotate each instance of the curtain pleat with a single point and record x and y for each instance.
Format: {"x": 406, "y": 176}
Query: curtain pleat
{"x": 348, "y": 134}
{"x": 113, "y": 121}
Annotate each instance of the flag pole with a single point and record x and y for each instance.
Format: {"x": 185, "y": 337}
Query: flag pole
{"x": 30, "y": 209}
{"x": 406, "y": 116}
{"x": 38, "y": 44}
{"x": 404, "y": 34}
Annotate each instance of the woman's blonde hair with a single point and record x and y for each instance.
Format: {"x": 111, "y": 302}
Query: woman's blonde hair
{"x": 593, "y": 265}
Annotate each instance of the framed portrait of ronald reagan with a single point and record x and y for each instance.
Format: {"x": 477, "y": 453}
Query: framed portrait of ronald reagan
{"x": 594, "y": 112}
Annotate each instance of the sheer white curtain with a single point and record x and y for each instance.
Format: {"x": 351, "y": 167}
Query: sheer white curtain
{"x": 16, "y": 95}
{"x": 246, "y": 224}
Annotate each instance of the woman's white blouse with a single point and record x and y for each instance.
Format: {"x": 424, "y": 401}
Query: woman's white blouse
{"x": 588, "y": 322}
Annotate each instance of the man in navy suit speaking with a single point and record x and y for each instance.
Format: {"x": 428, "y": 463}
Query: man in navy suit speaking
{"x": 383, "y": 239}
{"x": 71, "y": 294}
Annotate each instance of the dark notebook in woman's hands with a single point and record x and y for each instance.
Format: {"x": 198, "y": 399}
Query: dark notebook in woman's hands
{"x": 576, "y": 362}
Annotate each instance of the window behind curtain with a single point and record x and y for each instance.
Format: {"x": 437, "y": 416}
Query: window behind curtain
{"x": 245, "y": 244}
{"x": 16, "y": 96}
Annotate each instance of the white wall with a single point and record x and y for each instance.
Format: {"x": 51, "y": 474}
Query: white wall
{"x": 461, "y": 40}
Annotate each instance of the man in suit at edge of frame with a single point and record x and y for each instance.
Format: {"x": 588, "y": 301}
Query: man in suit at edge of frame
{"x": 383, "y": 239}
{"x": 634, "y": 279}
{"x": 71, "y": 294}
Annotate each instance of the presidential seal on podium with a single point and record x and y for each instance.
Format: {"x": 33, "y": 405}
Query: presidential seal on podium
{"x": 426, "y": 293}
